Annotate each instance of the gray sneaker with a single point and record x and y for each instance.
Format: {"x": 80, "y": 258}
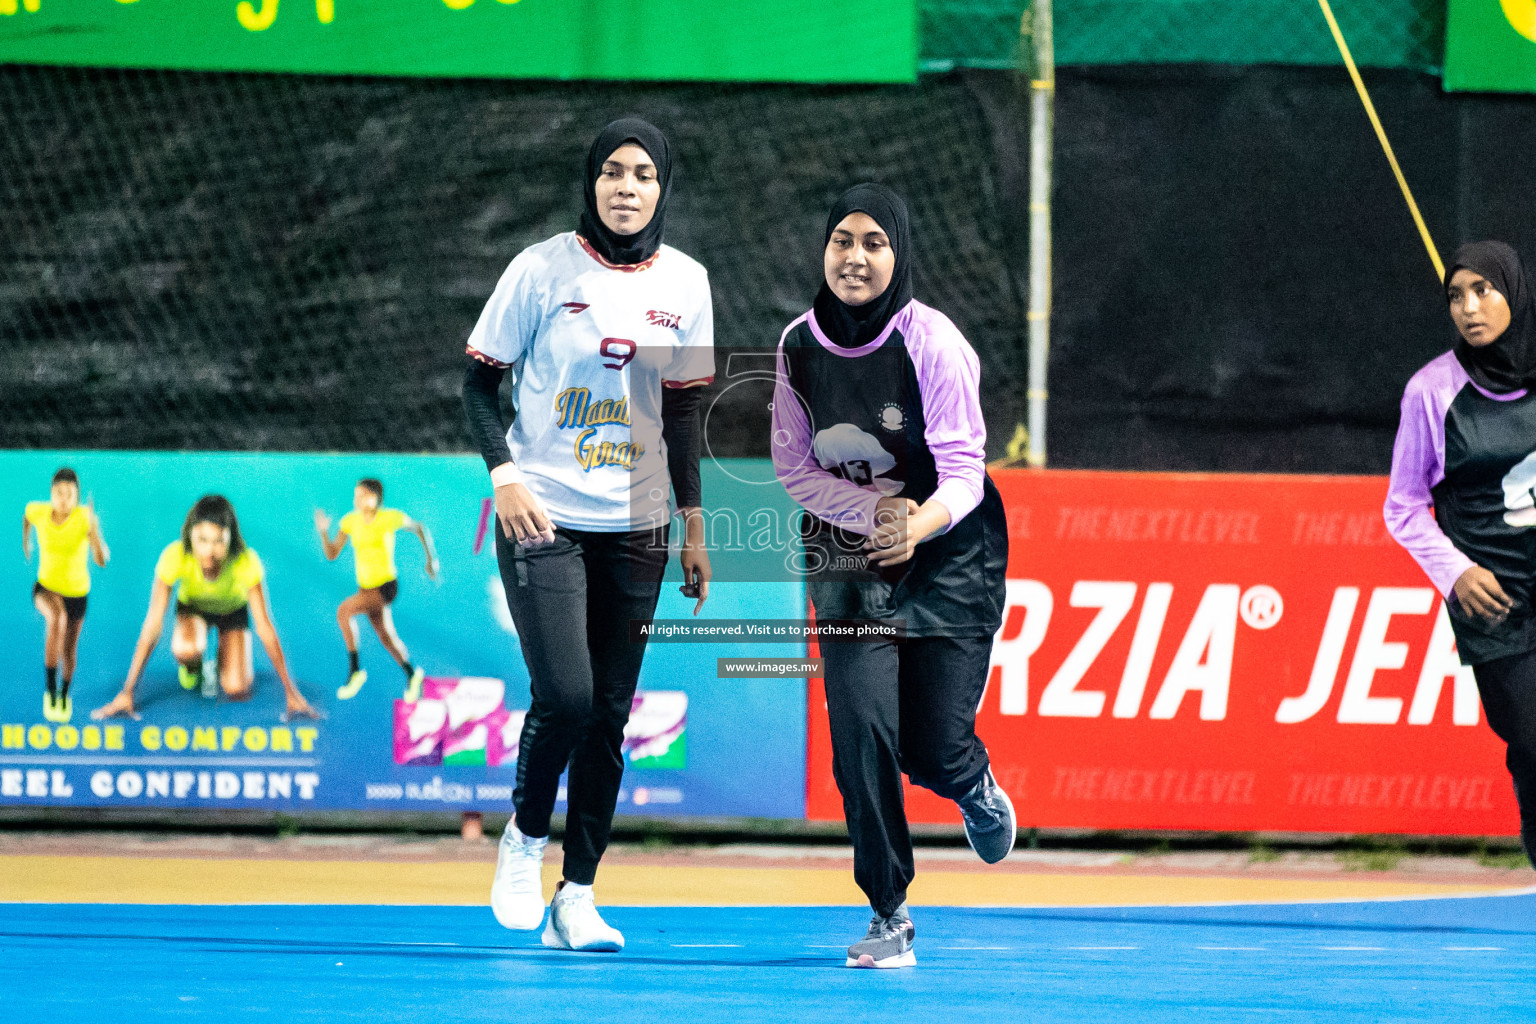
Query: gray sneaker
{"x": 887, "y": 944}
{"x": 990, "y": 826}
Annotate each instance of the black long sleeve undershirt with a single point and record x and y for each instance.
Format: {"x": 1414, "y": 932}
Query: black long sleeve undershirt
{"x": 679, "y": 428}
{"x": 483, "y": 411}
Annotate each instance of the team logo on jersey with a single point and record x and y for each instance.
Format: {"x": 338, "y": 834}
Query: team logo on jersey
{"x": 1520, "y": 493}
{"x": 659, "y": 318}
{"x": 892, "y": 417}
{"x": 574, "y": 408}
{"x": 592, "y": 454}
{"x": 856, "y": 456}
{"x": 576, "y": 307}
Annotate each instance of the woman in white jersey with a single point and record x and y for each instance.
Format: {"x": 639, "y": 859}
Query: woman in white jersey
{"x": 608, "y": 334}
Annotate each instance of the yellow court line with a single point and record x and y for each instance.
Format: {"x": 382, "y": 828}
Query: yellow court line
{"x": 48, "y": 879}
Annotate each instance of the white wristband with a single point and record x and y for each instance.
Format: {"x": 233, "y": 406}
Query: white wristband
{"x": 506, "y": 473}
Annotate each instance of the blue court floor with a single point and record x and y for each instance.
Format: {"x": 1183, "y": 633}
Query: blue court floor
{"x": 1467, "y": 960}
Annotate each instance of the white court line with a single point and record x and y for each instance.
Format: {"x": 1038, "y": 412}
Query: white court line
{"x": 1226, "y": 949}
{"x": 1089, "y": 948}
{"x": 1473, "y": 949}
{"x": 706, "y": 945}
{"x": 1529, "y": 890}
{"x": 1354, "y": 949}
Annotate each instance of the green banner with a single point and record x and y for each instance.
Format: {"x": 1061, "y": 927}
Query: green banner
{"x": 1490, "y": 46}
{"x": 673, "y": 40}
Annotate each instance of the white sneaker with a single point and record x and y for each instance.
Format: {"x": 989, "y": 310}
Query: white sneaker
{"x": 517, "y": 894}
{"x": 574, "y": 923}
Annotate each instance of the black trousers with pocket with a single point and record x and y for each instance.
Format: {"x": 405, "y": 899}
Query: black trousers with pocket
{"x": 1508, "y": 689}
{"x": 895, "y": 707}
{"x": 572, "y": 602}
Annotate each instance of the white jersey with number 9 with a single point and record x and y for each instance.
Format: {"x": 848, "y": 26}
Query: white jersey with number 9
{"x": 590, "y": 346}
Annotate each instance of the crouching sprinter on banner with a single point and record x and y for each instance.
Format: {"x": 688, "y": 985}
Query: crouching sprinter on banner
{"x": 219, "y": 584}
{"x": 877, "y": 433}
{"x": 608, "y": 336}
{"x": 1463, "y": 493}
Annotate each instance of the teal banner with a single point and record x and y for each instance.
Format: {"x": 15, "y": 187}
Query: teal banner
{"x": 678, "y": 40}
{"x": 697, "y": 744}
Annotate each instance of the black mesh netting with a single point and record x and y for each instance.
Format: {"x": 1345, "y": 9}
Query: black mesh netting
{"x": 225, "y": 261}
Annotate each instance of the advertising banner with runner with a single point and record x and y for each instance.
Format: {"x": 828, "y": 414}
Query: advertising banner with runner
{"x": 695, "y": 745}
{"x": 1220, "y": 652}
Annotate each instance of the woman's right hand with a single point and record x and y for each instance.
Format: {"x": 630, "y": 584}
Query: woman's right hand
{"x": 1479, "y": 592}
{"x": 322, "y": 522}
{"x": 522, "y": 517}
{"x": 892, "y": 516}
{"x": 122, "y": 704}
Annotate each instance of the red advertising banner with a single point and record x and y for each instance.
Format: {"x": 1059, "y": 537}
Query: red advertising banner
{"x": 1221, "y": 652}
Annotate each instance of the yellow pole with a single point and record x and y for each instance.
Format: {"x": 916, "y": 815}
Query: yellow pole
{"x": 1381, "y": 134}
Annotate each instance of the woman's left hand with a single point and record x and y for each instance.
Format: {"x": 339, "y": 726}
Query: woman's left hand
{"x": 694, "y": 559}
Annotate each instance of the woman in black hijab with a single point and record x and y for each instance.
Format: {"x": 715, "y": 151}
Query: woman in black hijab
{"x": 1463, "y": 494}
{"x": 621, "y": 245}
{"x": 608, "y": 334}
{"x": 1499, "y": 361}
{"x": 905, "y": 530}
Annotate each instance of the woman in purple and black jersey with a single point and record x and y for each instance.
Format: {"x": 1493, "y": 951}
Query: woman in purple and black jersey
{"x": 878, "y": 435}
{"x": 1463, "y": 493}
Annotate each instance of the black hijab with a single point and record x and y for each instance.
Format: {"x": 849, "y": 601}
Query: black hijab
{"x": 853, "y": 326}
{"x": 642, "y": 245}
{"x": 1508, "y": 363}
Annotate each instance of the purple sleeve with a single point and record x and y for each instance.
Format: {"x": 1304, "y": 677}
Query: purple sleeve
{"x": 825, "y": 496}
{"x": 1418, "y": 464}
{"x": 949, "y": 381}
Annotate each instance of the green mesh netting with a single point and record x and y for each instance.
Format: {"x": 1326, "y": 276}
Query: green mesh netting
{"x": 1380, "y": 33}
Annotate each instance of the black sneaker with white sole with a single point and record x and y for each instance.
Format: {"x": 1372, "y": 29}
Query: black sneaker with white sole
{"x": 990, "y": 826}
{"x": 888, "y": 942}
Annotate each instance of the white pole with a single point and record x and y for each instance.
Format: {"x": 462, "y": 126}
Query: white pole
{"x": 1042, "y": 88}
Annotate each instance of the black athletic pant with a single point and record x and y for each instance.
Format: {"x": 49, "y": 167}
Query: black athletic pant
{"x": 901, "y": 707}
{"x": 1508, "y": 688}
{"x": 572, "y": 602}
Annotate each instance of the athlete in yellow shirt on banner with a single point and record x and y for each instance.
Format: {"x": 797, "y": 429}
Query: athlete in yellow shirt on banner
{"x": 66, "y": 531}
{"x": 372, "y": 530}
{"x": 219, "y": 584}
